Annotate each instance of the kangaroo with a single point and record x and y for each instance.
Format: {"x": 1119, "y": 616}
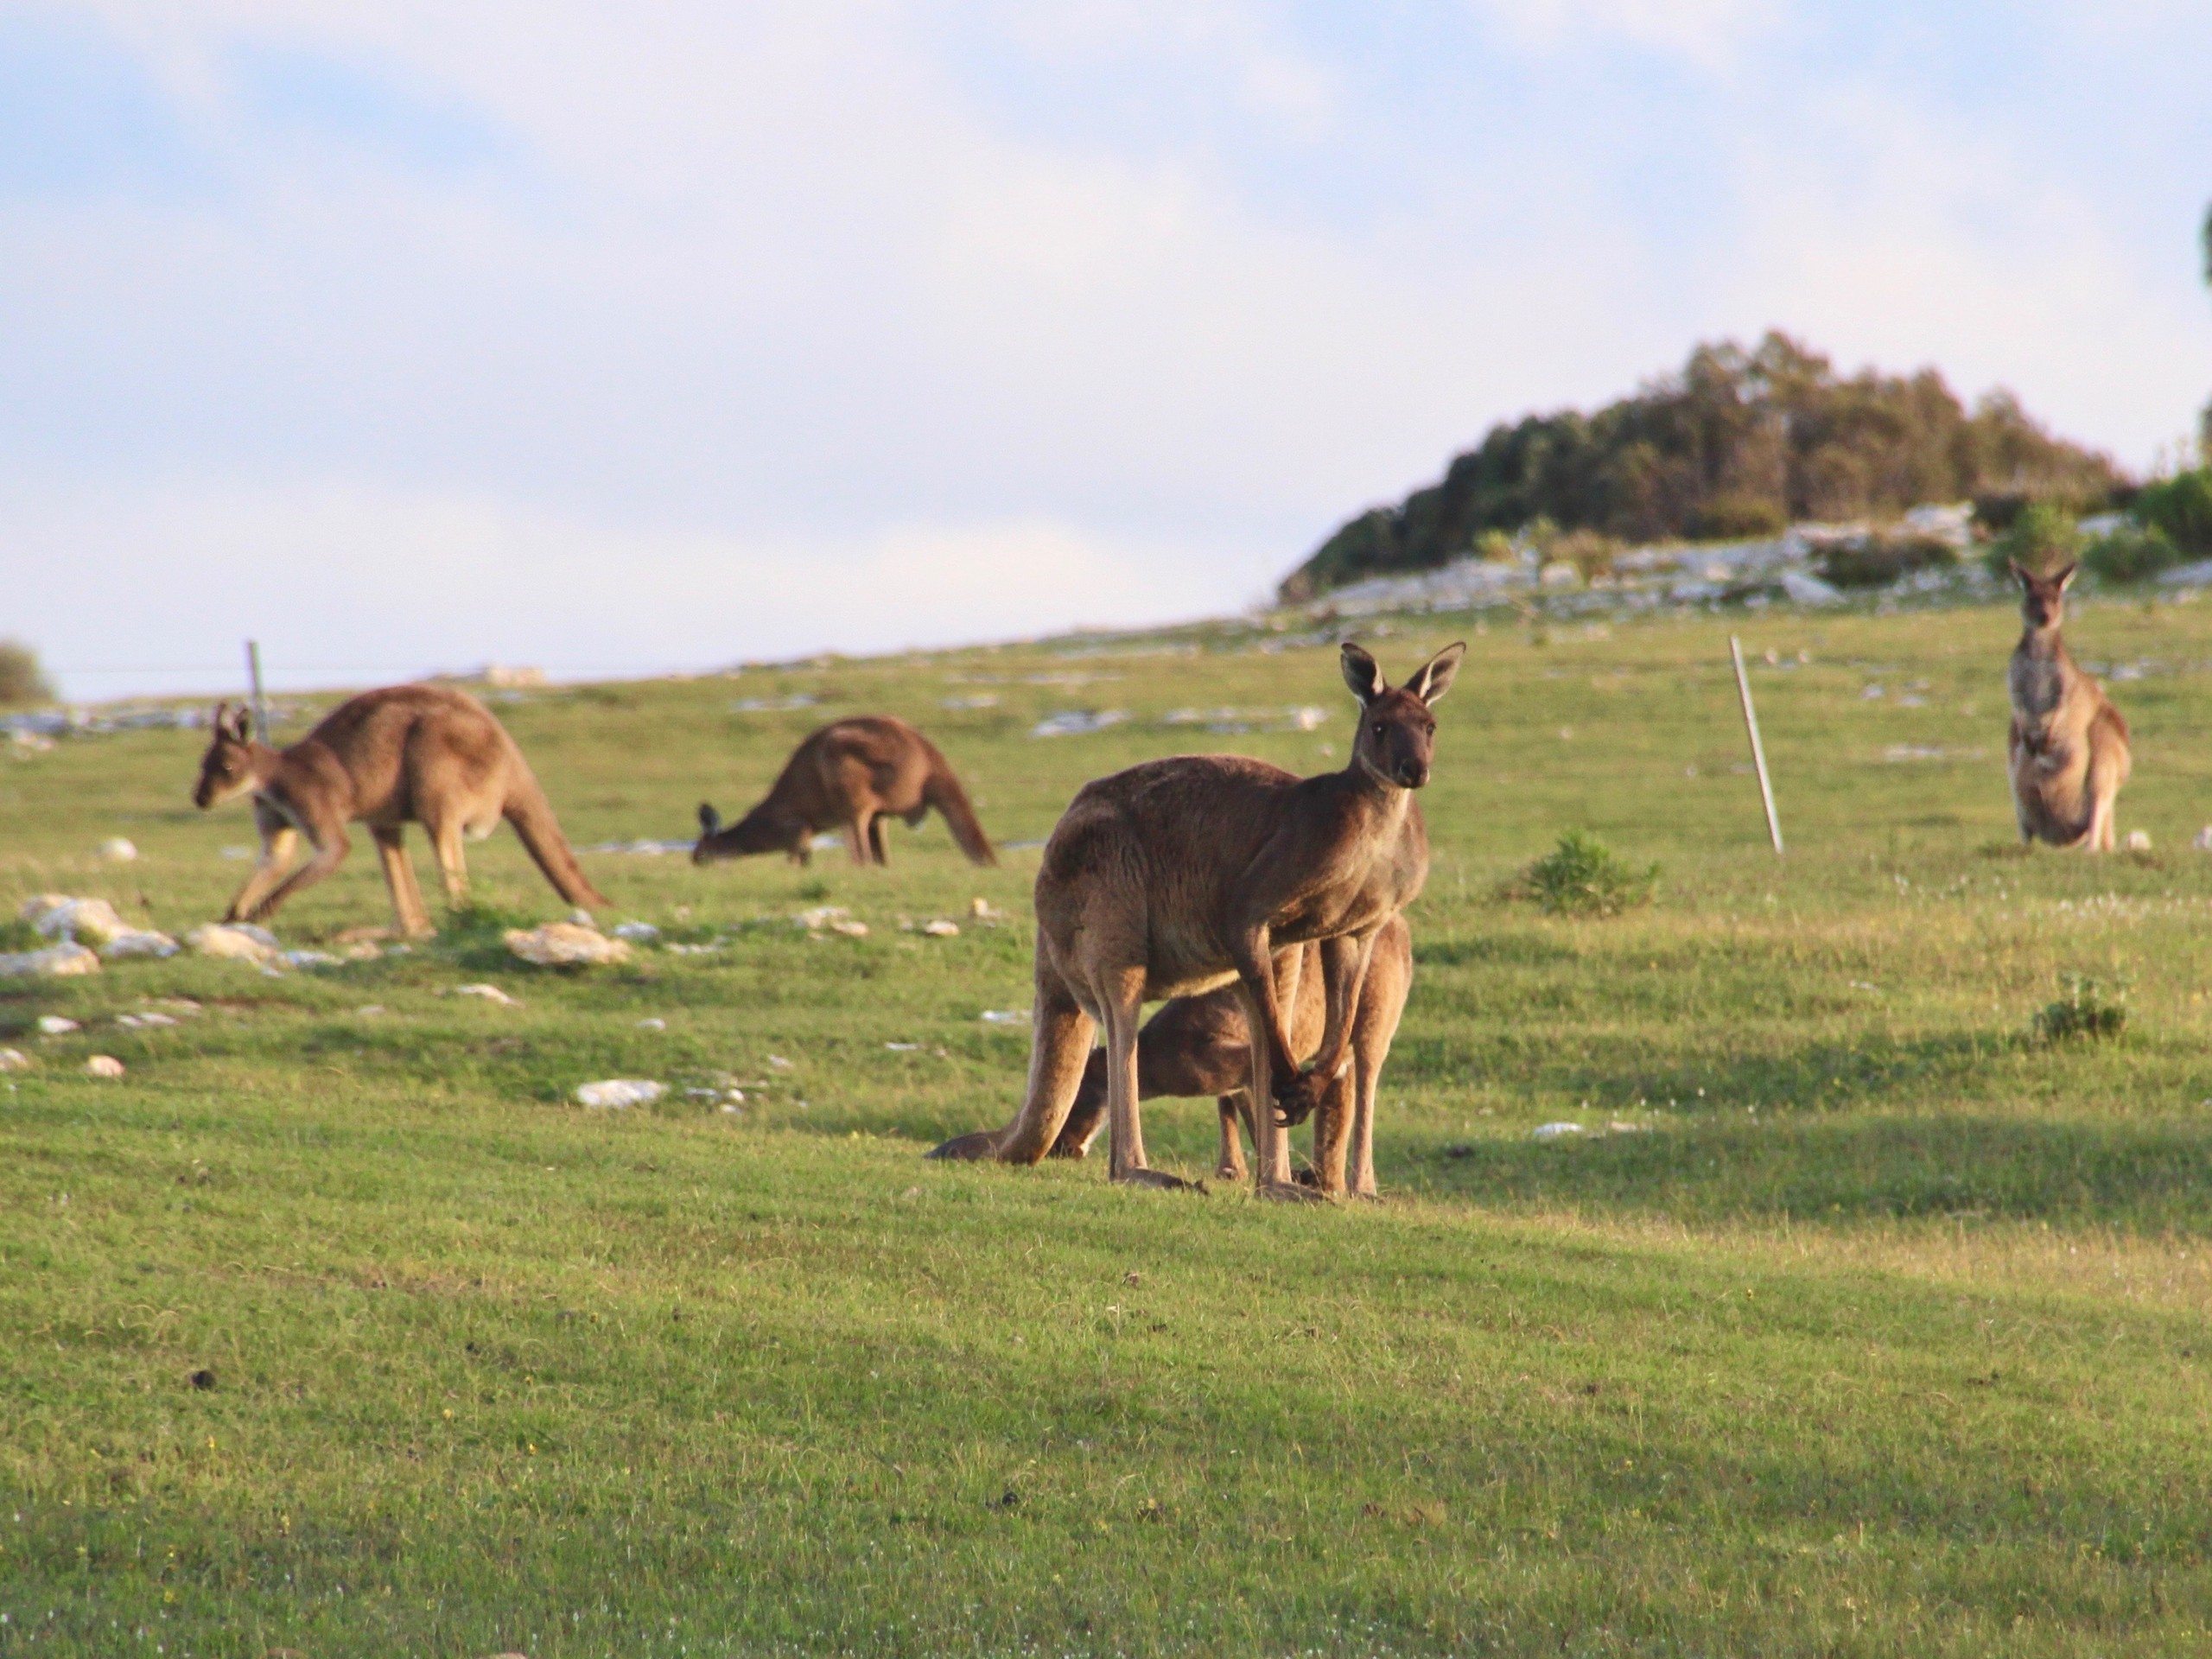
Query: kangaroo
{"x": 850, "y": 776}
{"x": 1180, "y": 875}
{"x": 1198, "y": 1045}
{"x": 2068, "y": 753}
{"x": 406, "y": 754}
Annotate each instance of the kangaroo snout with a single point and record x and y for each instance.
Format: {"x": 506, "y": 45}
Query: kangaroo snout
{"x": 1413, "y": 773}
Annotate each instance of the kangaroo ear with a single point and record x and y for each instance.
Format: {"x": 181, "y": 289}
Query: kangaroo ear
{"x": 2066, "y": 577}
{"x": 1362, "y": 674}
{"x": 2019, "y": 573}
{"x": 219, "y": 722}
{"x": 1434, "y": 677}
{"x": 242, "y": 725}
{"x": 710, "y": 821}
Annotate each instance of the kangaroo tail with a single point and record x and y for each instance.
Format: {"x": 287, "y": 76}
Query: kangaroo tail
{"x": 540, "y": 832}
{"x": 944, "y": 792}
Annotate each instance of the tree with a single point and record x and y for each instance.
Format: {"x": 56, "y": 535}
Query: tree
{"x": 21, "y": 679}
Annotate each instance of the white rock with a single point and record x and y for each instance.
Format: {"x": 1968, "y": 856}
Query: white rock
{"x": 779, "y": 1063}
{"x": 13, "y": 1059}
{"x": 642, "y": 932}
{"x": 562, "y": 945}
{"x": 2204, "y": 839}
{"x": 1555, "y": 1131}
{"x": 1006, "y": 1016}
{"x": 104, "y": 1065}
{"x": 234, "y": 942}
{"x": 652, "y": 1025}
{"x": 57, "y": 916}
{"x": 116, "y": 850}
{"x": 56, "y": 1024}
{"x": 311, "y": 959}
{"x": 1077, "y": 722}
{"x": 616, "y": 1093}
{"x": 55, "y": 962}
{"x": 2138, "y": 840}
{"x": 139, "y": 942}
{"x": 489, "y": 993}
{"x": 941, "y": 929}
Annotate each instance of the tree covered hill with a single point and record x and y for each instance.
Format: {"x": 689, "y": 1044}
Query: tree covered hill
{"x": 1739, "y": 443}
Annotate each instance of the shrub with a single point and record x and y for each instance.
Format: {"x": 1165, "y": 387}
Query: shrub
{"x": 2131, "y": 554}
{"x": 2090, "y": 1007}
{"x": 2041, "y": 538}
{"x": 1877, "y": 561}
{"x": 21, "y": 678}
{"x": 1737, "y": 519}
{"x": 2180, "y": 507}
{"x": 1582, "y": 876}
{"x": 1590, "y": 552}
{"x": 1495, "y": 547}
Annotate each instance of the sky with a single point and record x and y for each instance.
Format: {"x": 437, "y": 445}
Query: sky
{"x": 405, "y": 336}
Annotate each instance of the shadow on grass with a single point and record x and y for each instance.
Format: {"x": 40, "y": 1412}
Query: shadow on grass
{"x": 2140, "y": 1177}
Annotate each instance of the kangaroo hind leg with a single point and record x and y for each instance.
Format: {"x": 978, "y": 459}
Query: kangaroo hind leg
{"x": 1060, "y": 1046}
{"x": 1120, "y": 1000}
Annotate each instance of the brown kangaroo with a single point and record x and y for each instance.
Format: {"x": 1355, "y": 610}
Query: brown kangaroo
{"x": 1199, "y": 1045}
{"x": 406, "y": 754}
{"x": 850, "y": 776}
{"x": 1180, "y": 875}
{"x": 2067, "y": 754}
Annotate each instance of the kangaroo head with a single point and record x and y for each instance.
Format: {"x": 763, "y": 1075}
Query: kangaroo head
{"x": 2042, "y": 598}
{"x": 1396, "y": 742}
{"x": 751, "y": 833}
{"x": 227, "y": 770}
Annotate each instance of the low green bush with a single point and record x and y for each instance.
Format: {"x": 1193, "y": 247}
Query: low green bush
{"x": 1738, "y": 517}
{"x": 2042, "y": 538}
{"x": 2133, "y": 553}
{"x": 1582, "y": 876}
{"x": 2091, "y": 1008}
{"x": 1879, "y": 560}
{"x": 2181, "y": 508}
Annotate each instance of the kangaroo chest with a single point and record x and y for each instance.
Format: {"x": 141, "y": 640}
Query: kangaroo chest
{"x": 2040, "y": 682}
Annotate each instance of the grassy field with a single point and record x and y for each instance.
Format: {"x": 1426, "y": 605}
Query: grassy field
{"x": 1860, "y": 1321}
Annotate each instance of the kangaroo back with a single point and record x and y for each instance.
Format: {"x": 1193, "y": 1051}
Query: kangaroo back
{"x": 942, "y": 790}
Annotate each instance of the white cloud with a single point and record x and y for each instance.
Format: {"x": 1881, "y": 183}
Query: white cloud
{"x": 1711, "y": 33}
{"x": 155, "y": 591}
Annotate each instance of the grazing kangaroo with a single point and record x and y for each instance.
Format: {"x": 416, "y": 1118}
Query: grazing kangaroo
{"x": 406, "y": 754}
{"x": 1180, "y": 875}
{"x": 850, "y": 776}
{"x": 2068, "y": 753}
{"x": 1199, "y": 1045}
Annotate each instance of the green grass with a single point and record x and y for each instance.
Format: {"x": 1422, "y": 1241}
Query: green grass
{"x": 1861, "y": 1320}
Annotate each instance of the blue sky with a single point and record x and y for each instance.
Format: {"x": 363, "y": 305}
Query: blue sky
{"x": 406, "y": 336}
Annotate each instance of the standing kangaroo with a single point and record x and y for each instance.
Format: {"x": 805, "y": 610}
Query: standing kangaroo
{"x": 2068, "y": 753}
{"x": 1180, "y": 875}
{"x": 850, "y": 776}
{"x": 406, "y": 754}
{"x": 1200, "y": 1046}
